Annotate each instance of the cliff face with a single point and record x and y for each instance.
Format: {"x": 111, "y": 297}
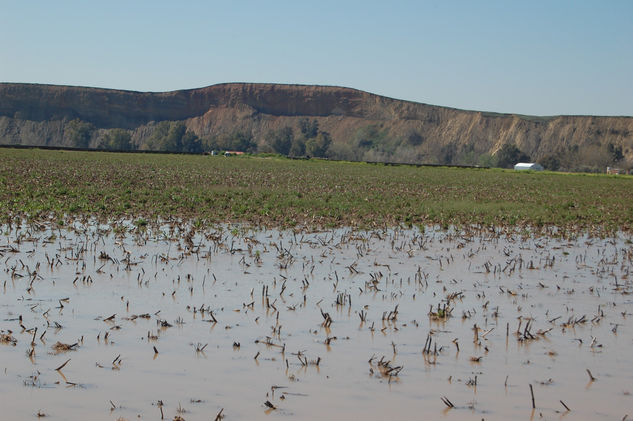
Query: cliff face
{"x": 39, "y": 114}
{"x": 126, "y": 109}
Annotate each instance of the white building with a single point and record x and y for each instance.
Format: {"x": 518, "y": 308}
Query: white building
{"x": 528, "y": 166}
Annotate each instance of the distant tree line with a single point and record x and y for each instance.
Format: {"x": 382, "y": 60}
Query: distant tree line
{"x": 593, "y": 157}
{"x": 118, "y": 140}
{"x": 173, "y": 136}
{"x": 237, "y": 141}
{"x": 170, "y": 136}
{"x": 79, "y": 133}
{"x": 82, "y": 134}
{"x": 370, "y": 143}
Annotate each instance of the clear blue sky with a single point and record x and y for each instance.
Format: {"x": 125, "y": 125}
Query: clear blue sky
{"x": 528, "y": 56}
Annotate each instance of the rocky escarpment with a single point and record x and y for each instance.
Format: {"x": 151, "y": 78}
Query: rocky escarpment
{"x": 397, "y": 130}
{"x": 109, "y": 108}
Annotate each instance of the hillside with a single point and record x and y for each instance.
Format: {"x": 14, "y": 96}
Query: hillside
{"x": 302, "y": 120}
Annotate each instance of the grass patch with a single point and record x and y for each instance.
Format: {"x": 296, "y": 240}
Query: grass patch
{"x": 274, "y": 191}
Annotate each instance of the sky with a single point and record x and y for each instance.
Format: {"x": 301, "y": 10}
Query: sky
{"x": 513, "y": 56}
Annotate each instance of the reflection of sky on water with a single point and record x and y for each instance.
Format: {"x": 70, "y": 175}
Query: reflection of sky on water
{"x": 179, "y": 281}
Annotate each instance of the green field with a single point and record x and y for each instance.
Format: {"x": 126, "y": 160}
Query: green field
{"x": 272, "y": 191}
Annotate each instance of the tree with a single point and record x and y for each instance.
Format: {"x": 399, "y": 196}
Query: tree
{"x": 550, "y": 162}
{"x": 236, "y": 141}
{"x": 117, "y": 139}
{"x": 156, "y": 141}
{"x": 298, "y": 147}
{"x": 369, "y": 137}
{"x": 509, "y": 155}
{"x": 319, "y": 145}
{"x": 448, "y": 154}
{"x": 486, "y": 160}
{"x": 414, "y": 138}
{"x": 616, "y": 152}
{"x": 280, "y": 140}
{"x": 309, "y": 129}
{"x": 243, "y": 142}
{"x": 79, "y": 133}
{"x": 190, "y": 143}
{"x": 173, "y": 141}
{"x": 173, "y": 136}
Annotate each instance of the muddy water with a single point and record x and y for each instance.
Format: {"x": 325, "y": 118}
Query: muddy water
{"x": 522, "y": 310}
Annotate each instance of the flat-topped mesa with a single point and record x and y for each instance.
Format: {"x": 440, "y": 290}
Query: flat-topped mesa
{"x": 361, "y": 125}
{"x": 108, "y": 108}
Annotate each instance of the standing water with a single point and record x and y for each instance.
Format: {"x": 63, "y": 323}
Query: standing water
{"x": 233, "y": 323}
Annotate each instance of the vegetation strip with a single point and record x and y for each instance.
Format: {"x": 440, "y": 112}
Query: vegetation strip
{"x": 273, "y": 191}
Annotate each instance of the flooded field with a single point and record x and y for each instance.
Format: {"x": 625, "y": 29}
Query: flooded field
{"x": 237, "y": 324}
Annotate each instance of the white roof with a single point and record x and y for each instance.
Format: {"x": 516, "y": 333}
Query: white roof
{"x": 528, "y": 166}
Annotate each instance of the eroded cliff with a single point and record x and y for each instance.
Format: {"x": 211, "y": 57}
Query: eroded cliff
{"x": 402, "y": 130}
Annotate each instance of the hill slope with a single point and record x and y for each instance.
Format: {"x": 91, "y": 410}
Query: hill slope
{"x": 360, "y": 125}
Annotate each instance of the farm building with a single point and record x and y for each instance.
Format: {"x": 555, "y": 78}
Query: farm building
{"x": 528, "y": 166}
